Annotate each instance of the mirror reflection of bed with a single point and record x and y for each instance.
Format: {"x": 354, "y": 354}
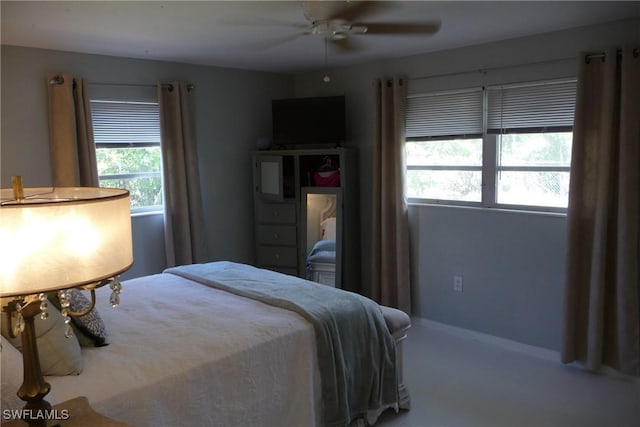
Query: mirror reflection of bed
{"x": 321, "y": 236}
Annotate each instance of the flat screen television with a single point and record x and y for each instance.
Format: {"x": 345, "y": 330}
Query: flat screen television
{"x": 318, "y": 121}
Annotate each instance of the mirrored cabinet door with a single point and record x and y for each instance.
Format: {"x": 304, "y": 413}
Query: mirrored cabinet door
{"x": 322, "y": 234}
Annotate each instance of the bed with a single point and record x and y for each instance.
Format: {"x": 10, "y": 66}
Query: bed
{"x": 194, "y": 347}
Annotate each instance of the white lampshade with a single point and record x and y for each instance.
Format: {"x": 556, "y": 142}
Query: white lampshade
{"x": 63, "y": 237}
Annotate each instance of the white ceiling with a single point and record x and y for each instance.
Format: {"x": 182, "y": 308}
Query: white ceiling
{"x": 243, "y": 34}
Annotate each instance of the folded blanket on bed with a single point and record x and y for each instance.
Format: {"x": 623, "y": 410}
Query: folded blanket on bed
{"x": 324, "y": 251}
{"x": 356, "y": 353}
{"x": 322, "y": 246}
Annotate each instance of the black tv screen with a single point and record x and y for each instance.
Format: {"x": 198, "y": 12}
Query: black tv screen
{"x": 308, "y": 121}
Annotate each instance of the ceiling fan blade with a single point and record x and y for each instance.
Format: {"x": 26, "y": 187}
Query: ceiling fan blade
{"x": 352, "y": 10}
{"x": 264, "y": 22}
{"x": 320, "y": 10}
{"x": 342, "y": 10}
{"x": 346, "y": 45}
{"x": 399, "y": 28}
{"x": 268, "y": 44}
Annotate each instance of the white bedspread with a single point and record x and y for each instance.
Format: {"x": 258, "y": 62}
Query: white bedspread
{"x": 356, "y": 352}
{"x": 183, "y": 354}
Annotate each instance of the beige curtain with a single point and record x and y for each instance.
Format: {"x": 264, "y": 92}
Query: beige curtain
{"x": 184, "y": 222}
{"x": 602, "y": 296}
{"x": 73, "y": 155}
{"x": 390, "y": 235}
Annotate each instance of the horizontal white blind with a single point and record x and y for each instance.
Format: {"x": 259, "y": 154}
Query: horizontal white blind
{"x": 117, "y": 122}
{"x": 444, "y": 114}
{"x": 533, "y": 107}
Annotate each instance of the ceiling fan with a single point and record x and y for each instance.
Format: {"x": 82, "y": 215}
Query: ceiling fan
{"x": 337, "y": 22}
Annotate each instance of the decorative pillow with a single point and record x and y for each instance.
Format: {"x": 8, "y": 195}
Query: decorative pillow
{"x": 90, "y": 328}
{"x": 91, "y": 324}
{"x": 59, "y": 355}
{"x": 11, "y": 373}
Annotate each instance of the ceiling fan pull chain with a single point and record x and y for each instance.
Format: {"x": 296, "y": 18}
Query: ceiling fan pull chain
{"x": 326, "y": 77}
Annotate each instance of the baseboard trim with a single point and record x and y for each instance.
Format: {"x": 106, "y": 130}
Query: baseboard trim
{"x": 531, "y": 350}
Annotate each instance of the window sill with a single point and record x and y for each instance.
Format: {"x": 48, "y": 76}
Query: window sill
{"x": 496, "y": 209}
{"x": 146, "y": 213}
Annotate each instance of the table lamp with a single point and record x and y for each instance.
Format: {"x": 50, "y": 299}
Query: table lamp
{"x": 55, "y": 239}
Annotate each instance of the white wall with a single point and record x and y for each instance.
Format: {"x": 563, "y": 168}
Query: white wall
{"x": 512, "y": 263}
{"x": 232, "y": 108}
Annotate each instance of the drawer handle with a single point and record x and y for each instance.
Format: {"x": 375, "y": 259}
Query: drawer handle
{"x": 276, "y": 236}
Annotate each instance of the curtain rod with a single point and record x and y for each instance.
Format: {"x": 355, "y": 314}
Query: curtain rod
{"x": 122, "y": 84}
{"x": 190, "y": 86}
{"x": 59, "y": 79}
{"x": 589, "y": 57}
{"x": 636, "y": 52}
{"x": 485, "y": 70}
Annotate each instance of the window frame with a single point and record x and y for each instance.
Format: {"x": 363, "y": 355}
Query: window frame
{"x": 491, "y": 167}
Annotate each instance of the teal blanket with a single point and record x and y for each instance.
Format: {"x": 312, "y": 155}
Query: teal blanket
{"x": 356, "y": 353}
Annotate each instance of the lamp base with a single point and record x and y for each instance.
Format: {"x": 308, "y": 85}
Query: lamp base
{"x": 36, "y": 413}
{"x": 34, "y": 388}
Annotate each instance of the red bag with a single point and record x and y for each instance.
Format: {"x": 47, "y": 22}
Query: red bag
{"x": 327, "y": 179}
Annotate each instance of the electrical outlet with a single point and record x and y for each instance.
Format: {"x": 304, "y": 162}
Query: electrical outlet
{"x": 457, "y": 283}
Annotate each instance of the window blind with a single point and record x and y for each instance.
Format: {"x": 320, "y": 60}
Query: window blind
{"x": 131, "y": 123}
{"x": 538, "y": 107}
{"x": 445, "y": 114}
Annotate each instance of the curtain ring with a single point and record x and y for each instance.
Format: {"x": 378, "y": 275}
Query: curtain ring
{"x": 57, "y": 80}
{"x": 169, "y": 87}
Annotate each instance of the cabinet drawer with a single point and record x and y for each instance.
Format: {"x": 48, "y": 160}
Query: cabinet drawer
{"x": 278, "y": 256}
{"x": 277, "y": 235}
{"x": 282, "y": 213}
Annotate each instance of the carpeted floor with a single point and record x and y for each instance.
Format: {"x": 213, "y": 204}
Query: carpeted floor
{"x": 459, "y": 381}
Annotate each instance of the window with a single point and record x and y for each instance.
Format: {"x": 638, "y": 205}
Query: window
{"x": 127, "y": 138}
{"x": 444, "y": 146}
{"x": 449, "y": 169}
{"x": 507, "y": 146}
{"x": 533, "y": 125}
{"x": 533, "y": 169}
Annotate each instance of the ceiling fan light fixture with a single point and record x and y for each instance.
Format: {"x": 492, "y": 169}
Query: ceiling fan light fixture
{"x": 320, "y": 27}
